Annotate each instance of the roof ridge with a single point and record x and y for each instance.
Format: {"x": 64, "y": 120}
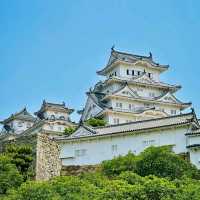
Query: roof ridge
{"x": 147, "y": 120}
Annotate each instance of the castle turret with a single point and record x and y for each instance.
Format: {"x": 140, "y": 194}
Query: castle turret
{"x": 56, "y": 116}
{"x": 18, "y": 122}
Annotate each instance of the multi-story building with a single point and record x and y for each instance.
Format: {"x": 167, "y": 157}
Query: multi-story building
{"x": 132, "y": 91}
{"x": 140, "y": 111}
{"x": 51, "y": 117}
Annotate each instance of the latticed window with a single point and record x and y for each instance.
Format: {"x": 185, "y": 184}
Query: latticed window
{"x": 80, "y": 152}
{"x": 114, "y": 148}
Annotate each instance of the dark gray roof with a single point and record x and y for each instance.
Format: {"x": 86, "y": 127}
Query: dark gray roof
{"x": 183, "y": 119}
{"x": 56, "y": 106}
{"x": 23, "y": 115}
{"x": 130, "y": 58}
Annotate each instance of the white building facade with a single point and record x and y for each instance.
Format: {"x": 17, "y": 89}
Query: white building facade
{"x": 52, "y": 117}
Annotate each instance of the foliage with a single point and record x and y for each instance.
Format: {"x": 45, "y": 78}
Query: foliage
{"x": 95, "y": 122}
{"x": 68, "y": 131}
{"x": 9, "y": 175}
{"x": 34, "y": 191}
{"x": 119, "y": 180}
{"x": 119, "y": 164}
{"x": 22, "y": 157}
{"x": 158, "y": 161}
{"x": 162, "y": 162}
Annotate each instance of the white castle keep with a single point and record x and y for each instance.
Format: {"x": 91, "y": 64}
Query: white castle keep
{"x": 140, "y": 111}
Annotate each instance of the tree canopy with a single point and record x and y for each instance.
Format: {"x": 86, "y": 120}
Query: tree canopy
{"x": 155, "y": 174}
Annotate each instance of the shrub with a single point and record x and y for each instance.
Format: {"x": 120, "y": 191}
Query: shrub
{"x": 95, "y": 122}
{"x": 162, "y": 162}
{"x": 68, "y": 131}
{"x": 9, "y": 175}
{"x": 22, "y": 157}
{"x": 119, "y": 164}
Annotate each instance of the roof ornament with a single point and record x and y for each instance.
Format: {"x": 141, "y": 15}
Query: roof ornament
{"x": 63, "y": 103}
{"x": 112, "y": 48}
{"x": 150, "y": 55}
{"x": 194, "y": 118}
{"x": 44, "y": 102}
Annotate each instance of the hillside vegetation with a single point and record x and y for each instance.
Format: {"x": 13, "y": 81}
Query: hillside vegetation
{"x": 155, "y": 174}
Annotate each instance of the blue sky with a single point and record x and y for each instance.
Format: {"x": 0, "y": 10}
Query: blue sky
{"x": 52, "y": 49}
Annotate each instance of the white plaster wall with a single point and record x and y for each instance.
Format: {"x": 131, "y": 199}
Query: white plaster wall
{"x": 193, "y": 140}
{"x": 123, "y": 69}
{"x": 137, "y": 104}
{"x": 20, "y": 126}
{"x": 54, "y": 127}
{"x": 57, "y": 115}
{"x": 195, "y": 157}
{"x": 101, "y": 149}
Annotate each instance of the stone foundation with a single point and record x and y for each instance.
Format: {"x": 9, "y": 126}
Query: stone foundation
{"x": 48, "y": 163}
{"x": 77, "y": 170}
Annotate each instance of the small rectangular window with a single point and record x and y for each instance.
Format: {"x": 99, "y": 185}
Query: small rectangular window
{"x": 173, "y": 112}
{"x": 116, "y": 121}
{"x": 80, "y": 152}
{"x": 127, "y": 71}
{"x": 138, "y": 73}
{"x": 115, "y": 73}
{"x": 149, "y": 75}
{"x": 114, "y": 148}
{"x": 133, "y": 72}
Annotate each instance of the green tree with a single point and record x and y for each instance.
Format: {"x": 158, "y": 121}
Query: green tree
{"x": 95, "y": 122}
{"x": 34, "y": 191}
{"x": 22, "y": 157}
{"x": 9, "y": 175}
{"x": 119, "y": 164}
{"x": 162, "y": 162}
{"x": 68, "y": 131}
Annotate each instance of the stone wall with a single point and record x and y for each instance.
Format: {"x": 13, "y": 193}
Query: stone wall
{"x": 48, "y": 163}
{"x": 77, "y": 170}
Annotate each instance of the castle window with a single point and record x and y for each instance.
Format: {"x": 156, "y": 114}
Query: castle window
{"x": 152, "y": 94}
{"x": 20, "y": 124}
{"x": 115, "y": 73}
{"x": 127, "y": 71}
{"x": 28, "y": 125}
{"x": 133, "y": 72}
{"x": 147, "y": 143}
{"x": 80, "y": 152}
{"x": 149, "y": 75}
{"x": 62, "y": 117}
{"x": 119, "y": 105}
{"x": 116, "y": 120}
{"x": 138, "y": 73}
{"x": 173, "y": 112}
{"x": 52, "y": 117}
{"x": 114, "y": 148}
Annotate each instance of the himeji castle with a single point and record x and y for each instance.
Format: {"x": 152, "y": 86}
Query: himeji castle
{"x": 140, "y": 111}
{"x": 132, "y": 91}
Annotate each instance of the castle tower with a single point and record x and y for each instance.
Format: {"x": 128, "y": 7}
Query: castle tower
{"x": 18, "y": 122}
{"x": 56, "y": 116}
{"x": 132, "y": 91}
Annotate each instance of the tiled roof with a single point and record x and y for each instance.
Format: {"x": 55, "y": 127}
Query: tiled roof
{"x": 194, "y": 132}
{"x": 23, "y": 115}
{"x": 55, "y": 106}
{"x": 139, "y": 126}
{"x": 136, "y": 81}
{"x": 130, "y": 58}
{"x": 155, "y": 99}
